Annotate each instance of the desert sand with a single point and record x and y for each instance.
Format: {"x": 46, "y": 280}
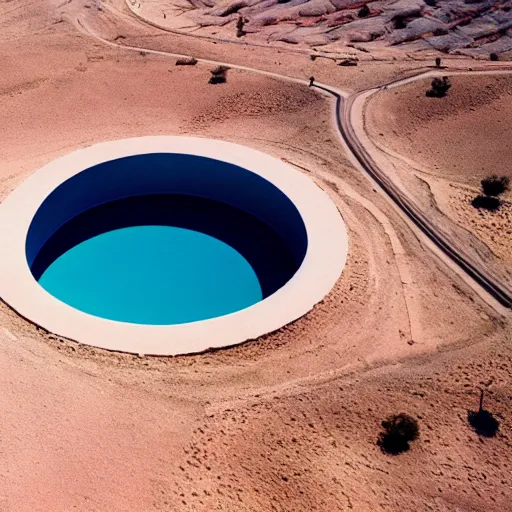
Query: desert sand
{"x": 288, "y": 422}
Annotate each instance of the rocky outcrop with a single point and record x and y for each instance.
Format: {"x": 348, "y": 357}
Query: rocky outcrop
{"x": 445, "y": 25}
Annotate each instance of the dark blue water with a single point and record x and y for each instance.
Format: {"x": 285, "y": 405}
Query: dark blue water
{"x": 163, "y": 259}
{"x": 153, "y": 275}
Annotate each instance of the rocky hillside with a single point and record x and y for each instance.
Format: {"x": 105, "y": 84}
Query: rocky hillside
{"x": 469, "y": 27}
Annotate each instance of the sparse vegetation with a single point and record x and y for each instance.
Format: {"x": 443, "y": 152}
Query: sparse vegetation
{"x": 240, "y": 22}
{"x": 438, "y": 62}
{"x": 483, "y": 422}
{"x": 399, "y": 431}
{"x": 364, "y": 11}
{"x": 218, "y": 75}
{"x": 186, "y": 61}
{"x": 492, "y": 187}
{"x": 439, "y": 87}
{"x": 493, "y": 56}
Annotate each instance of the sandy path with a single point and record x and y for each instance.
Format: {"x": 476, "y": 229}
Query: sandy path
{"x": 355, "y": 134}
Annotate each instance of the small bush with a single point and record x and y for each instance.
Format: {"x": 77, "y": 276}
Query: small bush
{"x": 364, "y": 11}
{"x": 218, "y": 75}
{"x": 439, "y": 87}
{"x": 493, "y": 57}
{"x": 438, "y": 62}
{"x": 399, "y": 431}
{"x": 431, "y": 3}
{"x": 186, "y": 61}
{"x": 494, "y": 186}
{"x": 219, "y": 70}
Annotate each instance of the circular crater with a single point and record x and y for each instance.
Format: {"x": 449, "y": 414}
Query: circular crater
{"x": 168, "y": 245}
{"x": 165, "y": 238}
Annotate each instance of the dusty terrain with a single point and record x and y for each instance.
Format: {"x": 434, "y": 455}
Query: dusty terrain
{"x": 288, "y": 422}
{"x": 454, "y": 142}
{"x": 462, "y": 137}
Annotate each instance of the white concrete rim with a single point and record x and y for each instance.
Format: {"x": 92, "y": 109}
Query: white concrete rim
{"x": 324, "y": 261}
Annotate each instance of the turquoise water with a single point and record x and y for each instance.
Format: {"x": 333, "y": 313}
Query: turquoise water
{"x": 153, "y": 275}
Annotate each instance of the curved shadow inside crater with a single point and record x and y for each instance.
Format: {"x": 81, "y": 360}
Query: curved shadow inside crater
{"x": 266, "y": 252}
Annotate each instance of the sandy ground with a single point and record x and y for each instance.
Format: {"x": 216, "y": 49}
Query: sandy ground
{"x": 453, "y": 143}
{"x": 288, "y": 422}
{"x": 462, "y": 137}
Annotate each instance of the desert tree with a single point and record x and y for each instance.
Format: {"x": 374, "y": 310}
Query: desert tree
{"x": 218, "y": 75}
{"x": 439, "y": 87}
{"x": 399, "y": 431}
{"x": 482, "y": 421}
{"x": 492, "y": 187}
{"x": 240, "y": 23}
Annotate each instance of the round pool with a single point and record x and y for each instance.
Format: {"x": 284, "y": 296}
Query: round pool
{"x": 153, "y": 275}
{"x": 167, "y": 245}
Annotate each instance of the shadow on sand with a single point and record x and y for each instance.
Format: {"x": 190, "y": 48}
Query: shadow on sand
{"x": 486, "y": 202}
{"x": 484, "y": 423}
{"x": 266, "y": 252}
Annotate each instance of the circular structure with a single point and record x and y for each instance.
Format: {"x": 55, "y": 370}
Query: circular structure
{"x": 167, "y": 245}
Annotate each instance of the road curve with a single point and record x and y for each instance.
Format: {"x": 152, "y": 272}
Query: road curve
{"x": 480, "y": 275}
{"x": 343, "y": 109}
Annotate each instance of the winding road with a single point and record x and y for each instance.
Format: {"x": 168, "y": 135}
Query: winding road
{"x": 478, "y": 273}
{"x": 481, "y": 278}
